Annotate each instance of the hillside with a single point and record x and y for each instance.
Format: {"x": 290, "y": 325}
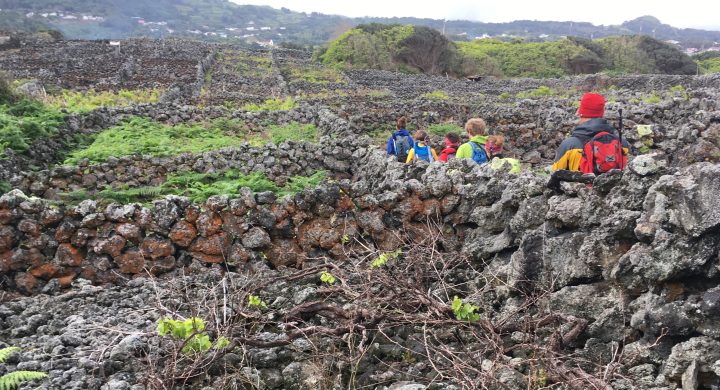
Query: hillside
{"x": 220, "y": 19}
{"x": 421, "y": 49}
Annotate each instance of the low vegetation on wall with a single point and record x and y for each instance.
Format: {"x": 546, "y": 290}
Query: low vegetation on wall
{"x": 83, "y": 101}
{"x": 198, "y": 187}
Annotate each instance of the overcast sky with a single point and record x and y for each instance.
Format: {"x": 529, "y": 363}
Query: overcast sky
{"x": 687, "y": 13}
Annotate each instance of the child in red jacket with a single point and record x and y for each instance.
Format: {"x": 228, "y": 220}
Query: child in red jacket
{"x": 452, "y": 142}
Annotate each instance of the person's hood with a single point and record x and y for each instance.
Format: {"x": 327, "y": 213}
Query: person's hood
{"x": 450, "y": 144}
{"x": 401, "y": 132}
{"x": 479, "y": 139}
{"x": 587, "y": 130}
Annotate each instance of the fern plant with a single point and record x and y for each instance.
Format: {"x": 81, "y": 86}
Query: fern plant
{"x": 14, "y": 379}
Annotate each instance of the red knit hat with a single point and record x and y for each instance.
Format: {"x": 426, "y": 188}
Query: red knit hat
{"x": 592, "y": 105}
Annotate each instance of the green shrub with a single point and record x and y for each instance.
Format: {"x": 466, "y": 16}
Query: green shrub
{"x": 271, "y": 105}
{"x": 443, "y": 128}
{"x": 145, "y": 137}
{"x": 24, "y": 121}
{"x": 436, "y": 95}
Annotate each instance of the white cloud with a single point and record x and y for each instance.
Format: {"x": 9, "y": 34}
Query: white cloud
{"x": 689, "y": 13}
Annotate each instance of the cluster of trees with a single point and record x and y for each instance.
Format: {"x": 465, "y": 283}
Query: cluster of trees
{"x": 425, "y": 50}
{"x": 393, "y": 47}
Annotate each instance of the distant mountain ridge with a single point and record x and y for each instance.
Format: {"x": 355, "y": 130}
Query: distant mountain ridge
{"x": 95, "y": 19}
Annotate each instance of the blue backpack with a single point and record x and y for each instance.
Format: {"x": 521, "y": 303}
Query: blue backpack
{"x": 478, "y": 153}
{"x": 423, "y": 153}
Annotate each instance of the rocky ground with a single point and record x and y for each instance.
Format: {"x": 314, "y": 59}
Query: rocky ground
{"x": 440, "y": 276}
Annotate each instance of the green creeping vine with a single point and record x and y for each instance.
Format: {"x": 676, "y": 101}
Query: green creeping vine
{"x": 191, "y": 332}
{"x": 327, "y": 277}
{"x": 465, "y": 311}
{"x": 384, "y": 257}
{"x": 257, "y": 302}
{"x": 14, "y": 379}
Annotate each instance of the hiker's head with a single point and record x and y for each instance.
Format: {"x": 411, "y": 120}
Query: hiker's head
{"x": 475, "y": 126}
{"x": 495, "y": 144}
{"x": 420, "y": 135}
{"x": 592, "y": 105}
{"x": 452, "y": 139}
{"x": 401, "y": 123}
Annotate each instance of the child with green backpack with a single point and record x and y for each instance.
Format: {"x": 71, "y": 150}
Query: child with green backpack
{"x": 475, "y": 148}
{"x": 421, "y": 150}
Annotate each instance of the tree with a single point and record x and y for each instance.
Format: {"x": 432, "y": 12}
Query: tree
{"x": 427, "y": 50}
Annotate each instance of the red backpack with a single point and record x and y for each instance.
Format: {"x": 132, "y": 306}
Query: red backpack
{"x": 602, "y": 153}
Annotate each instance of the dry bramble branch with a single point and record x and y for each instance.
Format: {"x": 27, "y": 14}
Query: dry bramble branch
{"x": 407, "y": 294}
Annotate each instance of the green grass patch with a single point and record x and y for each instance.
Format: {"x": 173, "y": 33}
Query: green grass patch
{"x": 441, "y": 129}
{"x": 292, "y": 132}
{"x": 200, "y": 186}
{"x": 76, "y": 101}
{"x": 24, "y": 121}
{"x": 436, "y": 95}
{"x": 540, "y": 91}
{"x": 145, "y": 137}
{"x": 652, "y": 98}
{"x": 141, "y": 136}
{"x": 249, "y": 65}
{"x": 505, "y": 96}
{"x": 271, "y": 105}
{"x": 316, "y": 75}
{"x": 679, "y": 90}
{"x": 378, "y": 93}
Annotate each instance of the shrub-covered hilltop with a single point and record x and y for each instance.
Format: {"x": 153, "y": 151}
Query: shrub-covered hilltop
{"x": 423, "y": 49}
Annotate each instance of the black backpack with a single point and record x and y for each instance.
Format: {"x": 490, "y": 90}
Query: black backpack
{"x": 402, "y": 145}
